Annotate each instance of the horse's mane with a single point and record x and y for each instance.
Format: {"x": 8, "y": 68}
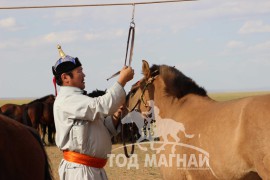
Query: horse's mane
{"x": 96, "y": 93}
{"x": 177, "y": 84}
{"x": 41, "y": 99}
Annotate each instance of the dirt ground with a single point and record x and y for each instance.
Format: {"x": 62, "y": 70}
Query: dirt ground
{"x": 114, "y": 172}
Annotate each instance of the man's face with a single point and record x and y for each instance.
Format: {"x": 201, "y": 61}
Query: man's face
{"x": 77, "y": 80}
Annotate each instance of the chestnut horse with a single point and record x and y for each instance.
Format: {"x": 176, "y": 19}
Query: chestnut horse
{"x": 21, "y": 152}
{"x": 235, "y": 133}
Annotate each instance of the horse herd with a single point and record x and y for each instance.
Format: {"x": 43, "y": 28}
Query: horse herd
{"x": 37, "y": 114}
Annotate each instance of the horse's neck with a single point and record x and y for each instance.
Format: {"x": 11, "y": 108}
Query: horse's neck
{"x": 169, "y": 105}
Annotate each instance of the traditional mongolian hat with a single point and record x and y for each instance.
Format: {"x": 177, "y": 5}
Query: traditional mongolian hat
{"x": 65, "y": 64}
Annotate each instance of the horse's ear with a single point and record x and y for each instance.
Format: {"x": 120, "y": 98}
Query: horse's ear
{"x": 145, "y": 69}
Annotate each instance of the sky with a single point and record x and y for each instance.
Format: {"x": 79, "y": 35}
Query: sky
{"x": 223, "y": 45}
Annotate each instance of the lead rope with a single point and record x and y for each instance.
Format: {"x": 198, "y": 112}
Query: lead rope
{"x": 124, "y": 141}
{"x": 130, "y": 46}
{"x": 131, "y": 33}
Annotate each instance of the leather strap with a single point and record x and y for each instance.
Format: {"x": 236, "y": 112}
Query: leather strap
{"x": 131, "y": 34}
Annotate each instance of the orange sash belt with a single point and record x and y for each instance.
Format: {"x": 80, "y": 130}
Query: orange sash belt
{"x": 84, "y": 159}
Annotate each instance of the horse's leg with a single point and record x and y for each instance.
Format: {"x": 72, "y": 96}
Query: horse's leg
{"x": 50, "y": 131}
{"x": 43, "y": 127}
{"x": 53, "y": 134}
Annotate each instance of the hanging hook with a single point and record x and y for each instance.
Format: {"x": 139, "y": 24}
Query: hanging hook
{"x": 132, "y": 19}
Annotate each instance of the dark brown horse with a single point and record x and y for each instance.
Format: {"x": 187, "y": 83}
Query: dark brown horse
{"x": 21, "y": 152}
{"x": 15, "y": 112}
{"x": 40, "y": 113}
{"x": 234, "y": 135}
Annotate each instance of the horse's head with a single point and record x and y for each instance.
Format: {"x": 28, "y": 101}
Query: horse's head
{"x": 162, "y": 84}
{"x": 143, "y": 90}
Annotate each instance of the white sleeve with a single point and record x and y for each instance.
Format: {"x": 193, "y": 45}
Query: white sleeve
{"x": 82, "y": 107}
{"x": 108, "y": 122}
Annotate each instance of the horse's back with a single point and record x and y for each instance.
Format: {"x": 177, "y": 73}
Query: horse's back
{"x": 253, "y": 118}
{"x": 13, "y": 111}
{"x": 21, "y": 154}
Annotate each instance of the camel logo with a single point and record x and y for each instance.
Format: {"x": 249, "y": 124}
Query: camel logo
{"x": 152, "y": 126}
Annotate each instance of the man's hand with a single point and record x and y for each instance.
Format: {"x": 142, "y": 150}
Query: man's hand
{"x": 126, "y": 74}
{"x": 117, "y": 115}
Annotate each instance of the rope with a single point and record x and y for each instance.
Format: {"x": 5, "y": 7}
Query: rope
{"x": 89, "y": 5}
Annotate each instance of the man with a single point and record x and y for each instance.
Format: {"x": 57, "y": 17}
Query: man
{"x": 81, "y": 131}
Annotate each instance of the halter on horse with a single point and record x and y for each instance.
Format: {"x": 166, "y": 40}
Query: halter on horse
{"x": 140, "y": 100}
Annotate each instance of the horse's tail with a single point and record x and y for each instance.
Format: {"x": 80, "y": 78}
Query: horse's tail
{"x": 48, "y": 170}
{"x": 25, "y": 118}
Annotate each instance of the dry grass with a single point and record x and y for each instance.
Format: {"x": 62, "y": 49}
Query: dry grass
{"x": 14, "y": 101}
{"x": 235, "y": 95}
